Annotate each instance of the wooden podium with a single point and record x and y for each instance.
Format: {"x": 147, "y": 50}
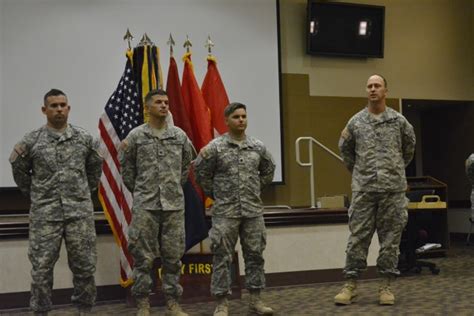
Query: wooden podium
{"x": 196, "y": 271}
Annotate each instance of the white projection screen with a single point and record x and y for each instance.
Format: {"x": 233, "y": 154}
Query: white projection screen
{"x": 77, "y": 46}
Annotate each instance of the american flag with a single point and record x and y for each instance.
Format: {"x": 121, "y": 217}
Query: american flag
{"x": 122, "y": 113}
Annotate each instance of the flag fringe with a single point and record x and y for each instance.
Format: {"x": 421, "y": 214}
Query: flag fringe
{"x": 212, "y": 58}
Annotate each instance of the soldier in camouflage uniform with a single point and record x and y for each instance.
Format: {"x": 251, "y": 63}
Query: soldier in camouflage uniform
{"x": 470, "y": 175}
{"x": 376, "y": 146}
{"x": 58, "y": 166}
{"x": 155, "y": 160}
{"x": 233, "y": 169}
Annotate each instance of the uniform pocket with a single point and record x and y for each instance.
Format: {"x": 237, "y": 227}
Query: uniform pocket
{"x": 44, "y": 244}
{"x": 216, "y": 240}
{"x": 40, "y": 240}
{"x": 45, "y": 161}
{"x": 254, "y": 184}
{"x": 133, "y": 235}
{"x": 73, "y": 154}
{"x": 146, "y": 149}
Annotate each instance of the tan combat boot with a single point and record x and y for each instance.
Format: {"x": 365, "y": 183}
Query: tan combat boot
{"x": 386, "y": 296}
{"x": 222, "y": 308}
{"x": 173, "y": 308}
{"x": 143, "y": 306}
{"x": 257, "y": 306}
{"x": 348, "y": 293}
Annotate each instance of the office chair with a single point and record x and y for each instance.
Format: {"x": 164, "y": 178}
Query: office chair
{"x": 416, "y": 235}
{"x": 418, "y": 265}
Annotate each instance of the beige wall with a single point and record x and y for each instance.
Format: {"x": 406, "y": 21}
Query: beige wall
{"x": 320, "y": 117}
{"x": 429, "y": 51}
{"x": 15, "y": 266}
{"x": 284, "y": 253}
{"x": 429, "y": 54}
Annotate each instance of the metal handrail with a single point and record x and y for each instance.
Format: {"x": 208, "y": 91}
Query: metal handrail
{"x": 310, "y": 164}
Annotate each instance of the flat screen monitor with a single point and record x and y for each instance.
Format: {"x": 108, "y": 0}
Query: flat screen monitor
{"x": 345, "y": 29}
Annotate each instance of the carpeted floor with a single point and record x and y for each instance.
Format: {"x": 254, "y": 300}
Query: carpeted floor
{"x": 449, "y": 293}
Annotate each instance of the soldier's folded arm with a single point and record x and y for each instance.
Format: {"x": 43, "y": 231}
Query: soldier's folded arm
{"x": 93, "y": 165}
{"x": 20, "y": 161}
{"x": 266, "y": 168}
{"x": 204, "y": 167}
{"x": 127, "y": 158}
{"x": 347, "y": 147}
{"x": 408, "y": 142}
{"x": 189, "y": 153}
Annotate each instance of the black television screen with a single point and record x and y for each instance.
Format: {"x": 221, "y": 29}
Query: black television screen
{"x": 345, "y": 29}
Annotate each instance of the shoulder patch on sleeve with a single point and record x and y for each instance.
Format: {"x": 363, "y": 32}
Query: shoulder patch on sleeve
{"x": 205, "y": 152}
{"x": 18, "y": 150}
{"x": 345, "y": 133}
{"x": 124, "y": 145}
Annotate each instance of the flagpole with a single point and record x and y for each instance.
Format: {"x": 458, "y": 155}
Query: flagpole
{"x": 187, "y": 44}
{"x": 145, "y": 40}
{"x": 209, "y": 44}
{"x": 128, "y": 37}
{"x": 171, "y": 43}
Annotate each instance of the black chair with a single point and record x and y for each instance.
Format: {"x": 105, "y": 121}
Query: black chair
{"x": 415, "y": 235}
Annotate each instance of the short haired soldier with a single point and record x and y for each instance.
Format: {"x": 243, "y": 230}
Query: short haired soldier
{"x": 155, "y": 160}
{"x": 58, "y": 166}
{"x": 376, "y": 146}
{"x": 233, "y": 169}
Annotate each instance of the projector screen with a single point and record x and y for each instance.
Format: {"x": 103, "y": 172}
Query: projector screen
{"x": 77, "y": 46}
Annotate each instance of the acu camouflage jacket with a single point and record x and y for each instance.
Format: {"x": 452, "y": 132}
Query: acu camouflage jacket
{"x": 58, "y": 173}
{"x": 234, "y": 175}
{"x": 155, "y": 168}
{"x": 377, "y": 151}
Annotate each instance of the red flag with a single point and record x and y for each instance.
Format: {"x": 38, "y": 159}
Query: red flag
{"x": 177, "y": 109}
{"x": 199, "y": 113}
{"x": 214, "y": 94}
{"x": 195, "y": 221}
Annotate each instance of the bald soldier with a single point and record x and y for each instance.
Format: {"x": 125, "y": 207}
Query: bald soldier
{"x": 58, "y": 166}
{"x": 376, "y": 145}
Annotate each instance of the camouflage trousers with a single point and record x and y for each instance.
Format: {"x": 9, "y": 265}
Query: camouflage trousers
{"x": 44, "y": 245}
{"x": 154, "y": 234}
{"x": 384, "y": 212}
{"x": 223, "y": 235}
{"x": 472, "y": 203}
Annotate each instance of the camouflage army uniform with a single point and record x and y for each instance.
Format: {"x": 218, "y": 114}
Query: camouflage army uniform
{"x": 58, "y": 172}
{"x": 376, "y": 151}
{"x": 234, "y": 175}
{"x": 470, "y": 175}
{"x": 154, "y": 169}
